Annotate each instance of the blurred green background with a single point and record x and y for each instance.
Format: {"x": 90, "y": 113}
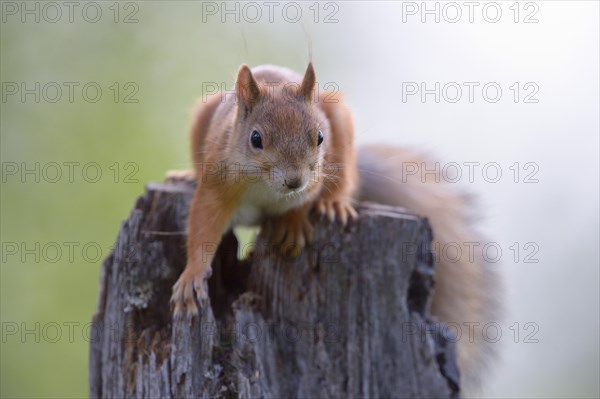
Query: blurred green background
{"x": 150, "y": 60}
{"x": 161, "y": 61}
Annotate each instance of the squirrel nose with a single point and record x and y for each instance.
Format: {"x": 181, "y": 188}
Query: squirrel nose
{"x": 293, "y": 184}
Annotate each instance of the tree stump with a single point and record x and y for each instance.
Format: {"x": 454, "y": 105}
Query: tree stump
{"x": 348, "y": 318}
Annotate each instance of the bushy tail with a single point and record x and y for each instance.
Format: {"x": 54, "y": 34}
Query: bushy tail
{"x": 466, "y": 289}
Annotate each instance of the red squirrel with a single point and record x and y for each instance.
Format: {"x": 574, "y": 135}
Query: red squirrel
{"x": 278, "y": 150}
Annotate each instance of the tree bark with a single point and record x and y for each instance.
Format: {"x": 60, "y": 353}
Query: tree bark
{"x": 348, "y": 318}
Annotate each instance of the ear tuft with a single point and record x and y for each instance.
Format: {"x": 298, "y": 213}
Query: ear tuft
{"x": 309, "y": 81}
{"x": 246, "y": 87}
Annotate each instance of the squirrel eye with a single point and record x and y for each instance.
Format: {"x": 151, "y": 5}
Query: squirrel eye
{"x": 255, "y": 139}
{"x": 320, "y": 138}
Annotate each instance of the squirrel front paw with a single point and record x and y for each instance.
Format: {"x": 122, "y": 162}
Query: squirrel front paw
{"x": 191, "y": 285}
{"x": 289, "y": 233}
{"x": 334, "y": 209}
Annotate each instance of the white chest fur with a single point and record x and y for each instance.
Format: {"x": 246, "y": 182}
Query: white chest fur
{"x": 260, "y": 202}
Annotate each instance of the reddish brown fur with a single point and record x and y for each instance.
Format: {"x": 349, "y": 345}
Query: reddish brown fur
{"x": 288, "y": 118}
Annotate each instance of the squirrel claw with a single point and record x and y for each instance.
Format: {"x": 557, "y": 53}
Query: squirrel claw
{"x": 290, "y": 233}
{"x": 340, "y": 210}
{"x": 189, "y": 287}
{"x": 295, "y": 240}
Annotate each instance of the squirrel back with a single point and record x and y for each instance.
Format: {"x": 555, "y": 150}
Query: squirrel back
{"x": 465, "y": 288}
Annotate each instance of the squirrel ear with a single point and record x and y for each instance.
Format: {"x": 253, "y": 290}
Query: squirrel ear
{"x": 246, "y": 87}
{"x": 308, "y": 83}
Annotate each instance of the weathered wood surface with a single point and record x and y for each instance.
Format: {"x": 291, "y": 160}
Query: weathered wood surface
{"x": 348, "y": 318}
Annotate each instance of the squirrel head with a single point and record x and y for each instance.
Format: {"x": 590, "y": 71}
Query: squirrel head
{"x": 280, "y": 131}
